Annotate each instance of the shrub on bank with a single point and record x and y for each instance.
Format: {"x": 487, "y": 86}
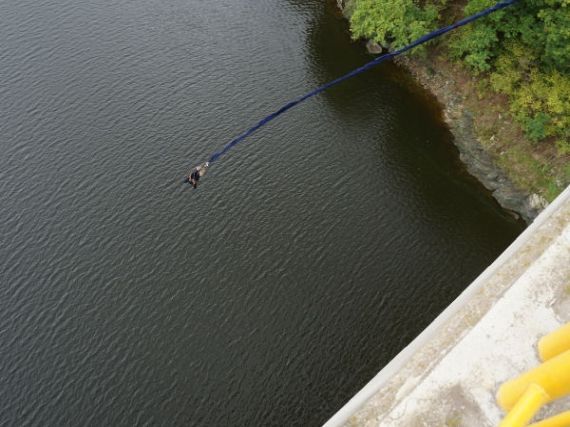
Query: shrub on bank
{"x": 391, "y": 22}
{"x": 526, "y": 52}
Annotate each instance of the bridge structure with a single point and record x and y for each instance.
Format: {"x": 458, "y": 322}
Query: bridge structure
{"x": 451, "y": 373}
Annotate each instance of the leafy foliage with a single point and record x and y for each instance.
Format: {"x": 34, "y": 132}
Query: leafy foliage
{"x": 556, "y": 36}
{"x": 526, "y": 49}
{"x": 542, "y": 26}
{"x": 391, "y": 22}
{"x": 539, "y": 98}
{"x": 478, "y": 48}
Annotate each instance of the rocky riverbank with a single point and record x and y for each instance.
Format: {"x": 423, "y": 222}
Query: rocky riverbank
{"x": 442, "y": 82}
{"x": 461, "y": 121}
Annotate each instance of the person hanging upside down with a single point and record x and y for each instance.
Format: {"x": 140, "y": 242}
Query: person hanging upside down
{"x": 198, "y": 172}
{"x": 194, "y": 178}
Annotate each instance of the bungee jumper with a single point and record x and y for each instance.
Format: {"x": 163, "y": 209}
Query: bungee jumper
{"x": 200, "y": 171}
{"x": 197, "y": 173}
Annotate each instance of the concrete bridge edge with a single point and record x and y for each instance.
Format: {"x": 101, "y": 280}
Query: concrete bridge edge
{"x": 533, "y": 242}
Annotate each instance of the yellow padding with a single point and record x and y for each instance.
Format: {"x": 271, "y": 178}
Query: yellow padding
{"x": 526, "y": 407}
{"x": 560, "y": 420}
{"x": 554, "y": 343}
{"x": 553, "y": 376}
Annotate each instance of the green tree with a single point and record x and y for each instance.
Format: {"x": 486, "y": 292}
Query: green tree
{"x": 391, "y": 23}
{"x": 541, "y": 26}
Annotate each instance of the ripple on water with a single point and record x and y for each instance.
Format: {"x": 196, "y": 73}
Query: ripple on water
{"x": 306, "y": 259}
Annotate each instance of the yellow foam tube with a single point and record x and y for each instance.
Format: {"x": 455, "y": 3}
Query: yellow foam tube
{"x": 554, "y": 343}
{"x": 560, "y": 420}
{"x": 526, "y": 407}
{"x": 553, "y": 376}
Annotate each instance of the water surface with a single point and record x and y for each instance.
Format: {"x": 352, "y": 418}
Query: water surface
{"x": 308, "y": 257}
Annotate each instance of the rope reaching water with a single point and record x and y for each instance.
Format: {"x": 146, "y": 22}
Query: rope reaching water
{"x": 373, "y": 63}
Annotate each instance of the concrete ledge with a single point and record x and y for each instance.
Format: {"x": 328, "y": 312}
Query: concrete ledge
{"x": 449, "y": 374}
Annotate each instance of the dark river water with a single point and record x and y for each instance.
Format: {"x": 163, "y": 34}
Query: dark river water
{"x": 310, "y": 255}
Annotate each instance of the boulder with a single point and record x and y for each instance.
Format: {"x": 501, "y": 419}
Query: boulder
{"x": 373, "y": 47}
{"x": 537, "y": 202}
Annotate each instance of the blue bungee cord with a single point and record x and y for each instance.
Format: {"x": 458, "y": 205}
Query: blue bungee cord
{"x": 501, "y": 5}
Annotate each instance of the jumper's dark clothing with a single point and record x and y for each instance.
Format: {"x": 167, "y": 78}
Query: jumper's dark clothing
{"x": 197, "y": 173}
{"x": 194, "y": 178}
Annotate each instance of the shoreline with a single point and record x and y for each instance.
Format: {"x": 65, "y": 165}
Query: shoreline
{"x": 441, "y": 83}
{"x": 479, "y": 162}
